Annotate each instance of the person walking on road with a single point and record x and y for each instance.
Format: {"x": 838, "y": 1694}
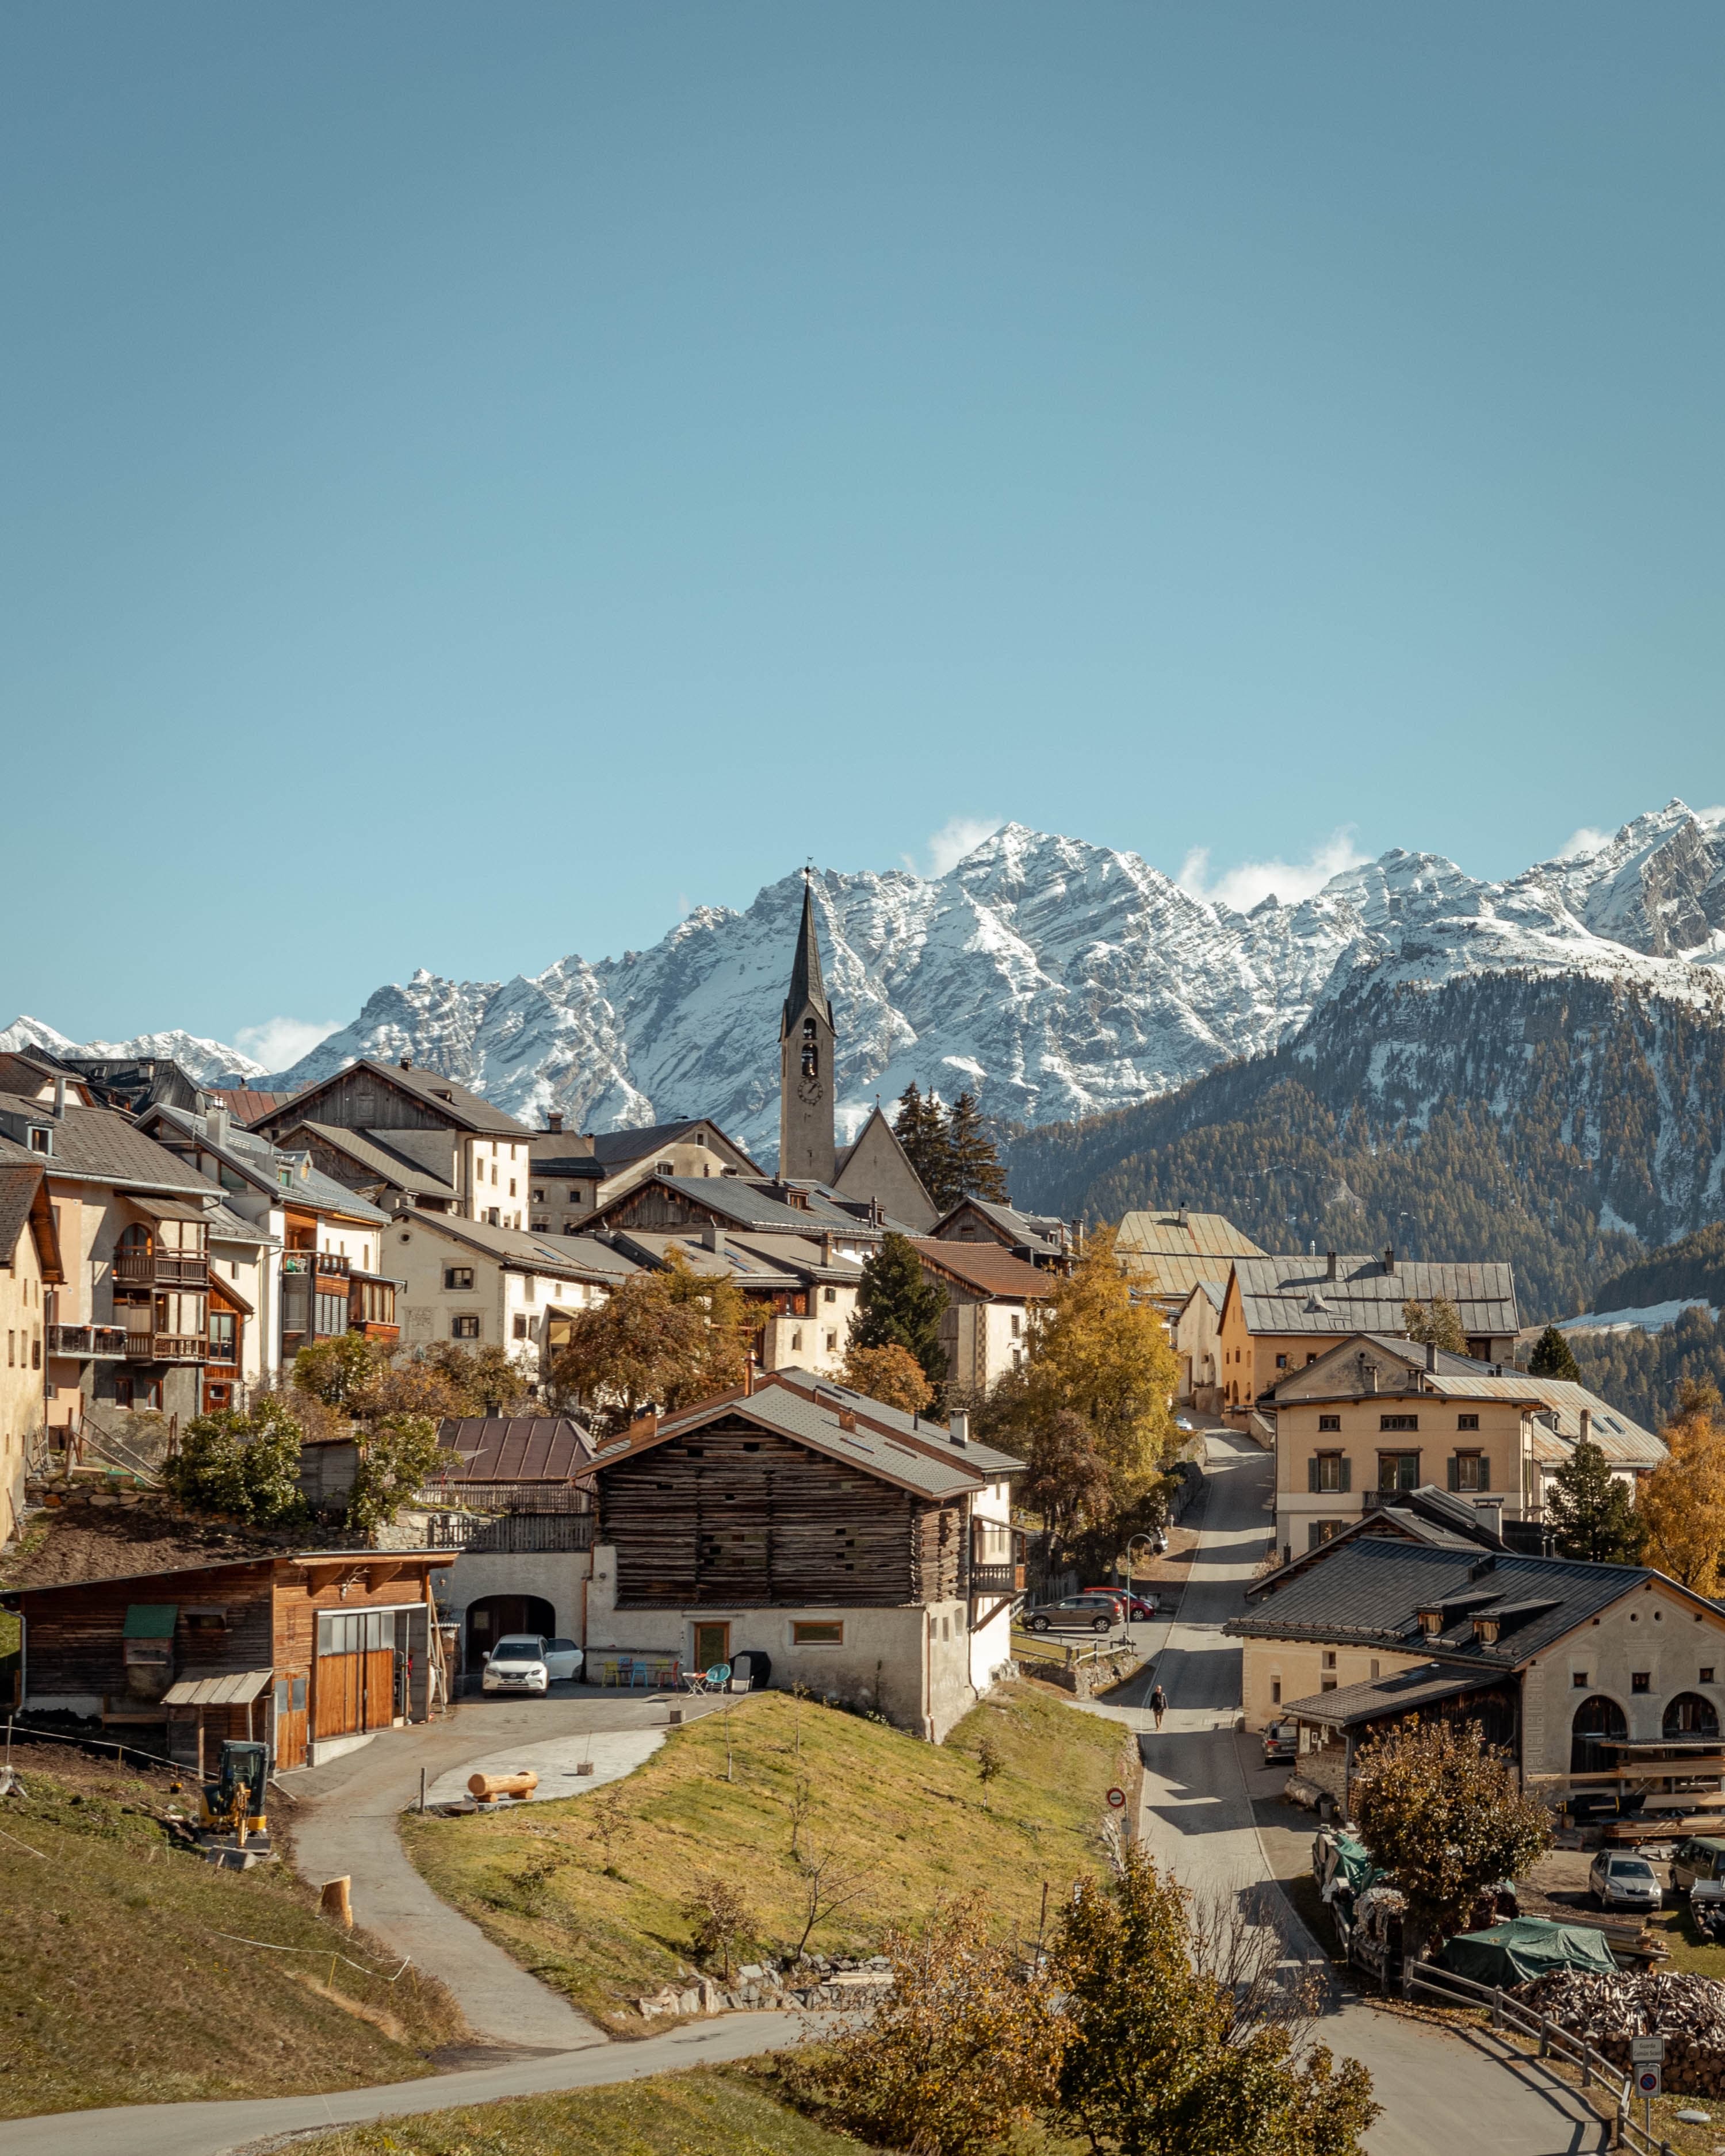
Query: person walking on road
{"x": 1158, "y": 1704}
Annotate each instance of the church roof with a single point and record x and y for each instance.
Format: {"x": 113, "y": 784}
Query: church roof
{"x": 809, "y": 991}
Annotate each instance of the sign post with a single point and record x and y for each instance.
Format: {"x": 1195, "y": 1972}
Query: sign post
{"x": 1647, "y": 2059}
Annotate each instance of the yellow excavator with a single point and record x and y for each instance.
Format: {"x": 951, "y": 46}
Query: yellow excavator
{"x": 233, "y": 1802}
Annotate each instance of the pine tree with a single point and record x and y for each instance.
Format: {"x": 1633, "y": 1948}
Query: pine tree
{"x": 1552, "y": 1357}
{"x": 920, "y": 1127}
{"x": 975, "y": 1163}
{"x": 1593, "y": 1511}
{"x": 898, "y": 1305}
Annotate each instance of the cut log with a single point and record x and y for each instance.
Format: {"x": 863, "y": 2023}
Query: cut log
{"x": 488, "y": 1788}
{"x": 335, "y": 1904}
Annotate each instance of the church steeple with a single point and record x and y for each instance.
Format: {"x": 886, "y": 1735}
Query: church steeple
{"x": 807, "y": 1141}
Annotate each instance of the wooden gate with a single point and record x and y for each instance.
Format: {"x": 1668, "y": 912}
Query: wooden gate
{"x": 290, "y": 1721}
{"x": 354, "y": 1687}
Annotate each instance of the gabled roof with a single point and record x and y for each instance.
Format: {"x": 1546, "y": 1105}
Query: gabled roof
{"x": 246, "y": 1104}
{"x": 100, "y": 1145}
{"x": 763, "y": 1261}
{"x": 513, "y": 1449}
{"x": 286, "y": 1175}
{"x": 986, "y": 1269}
{"x": 372, "y": 1152}
{"x": 734, "y": 1200}
{"x": 1368, "y": 1591}
{"x": 1409, "y": 1690}
{"x": 448, "y": 1098}
{"x": 359, "y": 1559}
{"x": 1213, "y": 1291}
{"x": 808, "y": 990}
{"x": 23, "y": 1203}
{"x": 1178, "y": 1250}
{"x": 933, "y": 1437}
{"x": 615, "y": 1150}
{"x": 804, "y": 1419}
{"x": 555, "y": 1159}
{"x": 1037, "y": 1232}
{"x": 1297, "y": 1295}
{"x": 1427, "y": 1515}
{"x": 570, "y": 1257}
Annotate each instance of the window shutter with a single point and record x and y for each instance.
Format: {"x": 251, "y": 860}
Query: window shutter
{"x": 1311, "y": 1472}
{"x": 1484, "y": 1482}
{"x": 1455, "y": 1472}
{"x": 1346, "y": 1467}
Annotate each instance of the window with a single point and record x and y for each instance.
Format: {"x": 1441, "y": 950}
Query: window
{"x": 464, "y": 1327}
{"x": 1329, "y": 1658}
{"x": 1372, "y": 1671}
{"x": 541, "y": 1227}
{"x": 821, "y": 1635}
{"x": 1578, "y": 1680}
{"x": 527, "y": 1290}
{"x": 538, "y": 1197}
{"x": 1327, "y": 1683}
{"x": 1275, "y": 1691}
{"x": 1281, "y": 1362}
{"x": 1398, "y": 1471}
{"x": 11, "y": 1350}
{"x": 458, "y": 1277}
{"x": 832, "y": 1343}
{"x": 1319, "y": 1532}
{"x": 1018, "y": 1326}
{"x": 796, "y": 1339}
{"x": 829, "y": 1294}
{"x": 494, "y": 1175}
{"x": 521, "y": 1325}
{"x": 222, "y": 1345}
{"x": 1398, "y": 1422}
{"x": 1329, "y": 1471}
{"x": 41, "y": 1140}
{"x": 1470, "y": 1471}
{"x": 664, "y": 1167}
{"x": 1705, "y": 1675}
{"x": 1328, "y": 1424}
{"x": 511, "y": 1186}
{"x": 36, "y": 1352}
{"x": 1467, "y": 1422}
{"x": 1641, "y": 1680}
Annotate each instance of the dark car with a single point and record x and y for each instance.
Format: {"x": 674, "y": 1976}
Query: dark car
{"x": 1281, "y": 1742}
{"x": 1074, "y": 1612}
{"x": 1140, "y": 1608}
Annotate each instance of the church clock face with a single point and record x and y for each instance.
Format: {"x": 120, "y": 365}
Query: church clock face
{"x": 809, "y": 1092}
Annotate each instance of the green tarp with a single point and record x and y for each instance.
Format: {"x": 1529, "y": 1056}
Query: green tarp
{"x": 1523, "y": 1948}
{"x": 1354, "y": 1860}
{"x": 151, "y": 1620}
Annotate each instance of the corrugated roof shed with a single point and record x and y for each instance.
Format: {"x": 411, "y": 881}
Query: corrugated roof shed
{"x": 234, "y": 1689}
{"x": 1297, "y": 1294}
{"x": 514, "y": 1448}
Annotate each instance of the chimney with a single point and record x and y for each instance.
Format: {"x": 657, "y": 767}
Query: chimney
{"x": 554, "y": 1123}
{"x": 748, "y": 1377}
{"x": 1332, "y": 1261}
{"x": 958, "y": 1428}
{"x": 59, "y": 1099}
{"x": 1183, "y": 1218}
{"x": 1431, "y": 1354}
{"x": 712, "y": 1237}
{"x": 1389, "y": 1258}
{"x": 1587, "y": 1427}
{"x": 826, "y": 1247}
{"x": 407, "y": 1063}
{"x": 847, "y": 1419}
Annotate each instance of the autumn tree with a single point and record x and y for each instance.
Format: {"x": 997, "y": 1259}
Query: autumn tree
{"x": 1682, "y": 1502}
{"x": 486, "y": 1381}
{"x": 1435, "y": 1324}
{"x": 963, "y": 2050}
{"x": 1168, "y": 2052}
{"x": 898, "y": 1305}
{"x": 1447, "y": 1814}
{"x": 890, "y": 1374}
{"x": 721, "y": 1924}
{"x": 340, "y": 1372}
{"x": 659, "y": 1340}
{"x": 1592, "y": 1510}
{"x": 1097, "y": 1354}
{"x": 1553, "y": 1357}
{"x": 1065, "y": 1478}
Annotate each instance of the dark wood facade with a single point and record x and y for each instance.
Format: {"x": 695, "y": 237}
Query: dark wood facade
{"x": 735, "y": 1516}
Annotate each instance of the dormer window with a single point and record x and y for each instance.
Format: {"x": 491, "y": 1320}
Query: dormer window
{"x": 1431, "y": 1622}
{"x": 41, "y": 1138}
{"x": 1484, "y": 1632}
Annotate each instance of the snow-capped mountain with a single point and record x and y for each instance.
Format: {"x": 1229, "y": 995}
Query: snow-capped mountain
{"x": 1054, "y": 978}
{"x": 210, "y": 1062}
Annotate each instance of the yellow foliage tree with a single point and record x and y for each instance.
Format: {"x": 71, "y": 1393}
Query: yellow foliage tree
{"x": 1096, "y": 1353}
{"x": 890, "y": 1374}
{"x": 1682, "y": 1502}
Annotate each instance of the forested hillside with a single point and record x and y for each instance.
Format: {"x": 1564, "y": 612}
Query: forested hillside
{"x": 1695, "y": 1266}
{"x": 1641, "y": 1371}
{"x": 1559, "y": 1124}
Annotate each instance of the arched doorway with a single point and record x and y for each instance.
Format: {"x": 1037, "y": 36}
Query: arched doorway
{"x": 1690, "y": 1714}
{"x": 493, "y": 1617}
{"x": 1596, "y": 1717}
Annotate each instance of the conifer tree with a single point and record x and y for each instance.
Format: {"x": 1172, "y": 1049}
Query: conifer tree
{"x": 920, "y": 1127}
{"x": 1593, "y": 1511}
{"x": 976, "y": 1167}
{"x": 1553, "y": 1358}
{"x": 897, "y": 1306}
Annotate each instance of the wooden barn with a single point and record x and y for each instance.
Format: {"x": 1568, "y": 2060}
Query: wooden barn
{"x": 312, "y": 1651}
{"x": 852, "y": 1548}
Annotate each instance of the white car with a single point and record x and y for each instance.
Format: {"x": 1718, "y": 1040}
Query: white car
{"x": 563, "y": 1659}
{"x": 1624, "y": 1882}
{"x": 517, "y": 1664}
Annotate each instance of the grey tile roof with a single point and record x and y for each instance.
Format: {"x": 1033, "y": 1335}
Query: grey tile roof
{"x": 513, "y": 1449}
{"x": 806, "y": 1421}
{"x": 591, "y": 1258}
{"x": 787, "y": 1261}
{"x": 574, "y": 1257}
{"x": 1297, "y": 1295}
{"x": 20, "y": 1178}
{"x": 619, "y": 1149}
{"x": 1038, "y": 1231}
{"x": 255, "y": 1158}
{"x": 1350, "y": 1705}
{"x": 371, "y": 1151}
{"x": 1368, "y": 1590}
{"x": 99, "y": 1145}
{"x": 446, "y": 1097}
{"x": 917, "y": 1429}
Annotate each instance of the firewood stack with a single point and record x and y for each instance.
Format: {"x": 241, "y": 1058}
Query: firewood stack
{"x": 1687, "y": 2009}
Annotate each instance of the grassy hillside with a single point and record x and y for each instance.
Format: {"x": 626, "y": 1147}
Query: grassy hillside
{"x": 906, "y": 1818}
{"x": 120, "y": 1986}
{"x": 715, "y": 2114}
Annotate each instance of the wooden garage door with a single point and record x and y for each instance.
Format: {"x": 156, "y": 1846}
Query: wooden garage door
{"x": 354, "y": 1688}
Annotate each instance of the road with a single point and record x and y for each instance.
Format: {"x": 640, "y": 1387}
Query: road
{"x": 1440, "y": 2091}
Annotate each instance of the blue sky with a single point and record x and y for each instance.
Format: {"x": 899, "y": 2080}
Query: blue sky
{"x": 478, "y": 480}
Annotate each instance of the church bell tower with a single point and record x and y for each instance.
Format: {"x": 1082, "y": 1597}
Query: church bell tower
{"x": 806, "y": 1146}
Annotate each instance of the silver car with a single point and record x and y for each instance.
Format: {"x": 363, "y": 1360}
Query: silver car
{"x": 1624, "y": 1882}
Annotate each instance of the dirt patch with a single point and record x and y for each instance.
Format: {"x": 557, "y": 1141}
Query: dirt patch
{"x": 111, "y": 1545}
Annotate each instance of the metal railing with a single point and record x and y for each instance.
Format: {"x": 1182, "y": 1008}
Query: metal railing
{"x": 1510, "y": 2012}
{"x": 516, "y": 1533}
{"x": 90, "y": 1340}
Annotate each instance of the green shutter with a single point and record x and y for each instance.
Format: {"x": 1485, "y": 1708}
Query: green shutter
{"x": 1455, "y": 1472}
{"x": 1485, "y": 1472}
{"x": 1347, "y": 1465}
{"x": 1311, "y": 1472}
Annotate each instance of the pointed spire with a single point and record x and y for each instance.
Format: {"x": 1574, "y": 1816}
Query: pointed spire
{"x": 808, "y": 988}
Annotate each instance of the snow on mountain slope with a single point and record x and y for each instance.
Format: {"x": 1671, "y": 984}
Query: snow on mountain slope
{"x": 208, "y": 1061}
{"x": 1055, "y": 979}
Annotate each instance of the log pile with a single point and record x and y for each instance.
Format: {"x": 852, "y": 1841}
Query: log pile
{"x": 1687, "y": 2009}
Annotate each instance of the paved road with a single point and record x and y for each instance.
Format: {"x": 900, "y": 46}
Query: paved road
{"x": 343, "y": 1821}
{"x": 209, "y": 2129}
{"x": 1442, "y": 2091}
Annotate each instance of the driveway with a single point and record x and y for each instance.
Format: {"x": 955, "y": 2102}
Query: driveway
{"x": 1442, "y": 2091}
{"x": 343, "y": 1820}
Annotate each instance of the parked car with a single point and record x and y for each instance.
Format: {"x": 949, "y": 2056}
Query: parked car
{"x": 517, "y": 1664}
{"x": 1139, "y": 1608}
{"x": 1074, "y": 1612}
{"x": 1701, "y": 1856}
{"x": 563, "y": 1659}
{"x": 1624, "y": 1882}
{"x": 1282, "y": 1742}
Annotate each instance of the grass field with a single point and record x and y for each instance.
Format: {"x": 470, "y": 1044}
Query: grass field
{"x": 694, "y": 2114}
{"x": 904, "y": 1821}
{"x": 116, "y": 1985}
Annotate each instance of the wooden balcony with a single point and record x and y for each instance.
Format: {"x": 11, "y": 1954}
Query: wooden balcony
{"x": 165, "y": 1347}
{"x": 87, "y": 1343}
{"x": 160, "y": 1268}
{"x": 323, "y": 1263}
{"x": 997, "y": 1579}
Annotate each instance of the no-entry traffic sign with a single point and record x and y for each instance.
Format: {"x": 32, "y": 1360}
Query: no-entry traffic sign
{"x": 1116, "y": 1798}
